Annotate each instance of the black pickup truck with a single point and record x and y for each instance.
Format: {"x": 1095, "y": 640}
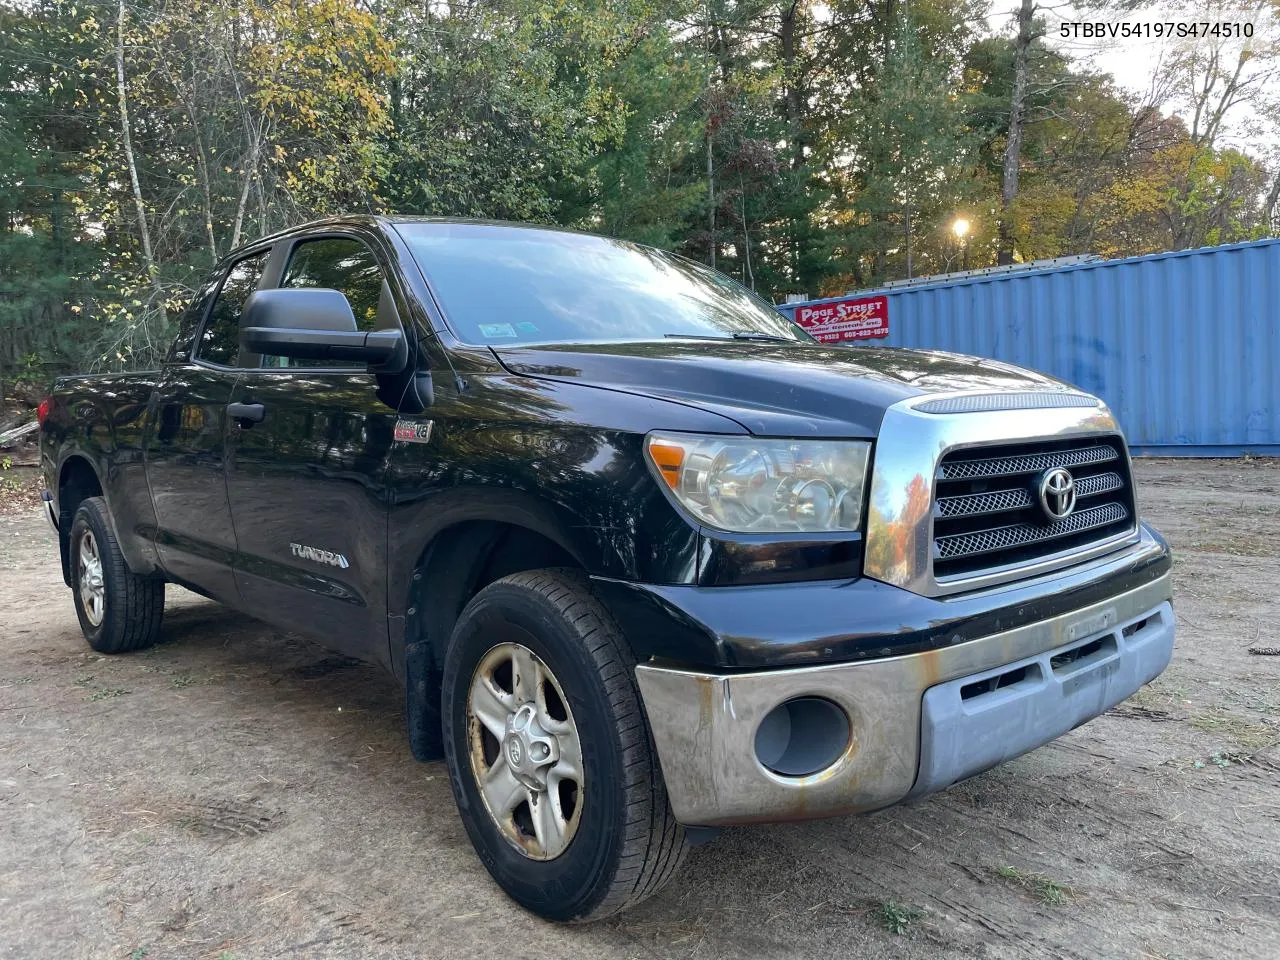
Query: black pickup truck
{"x": 648, "y": 560}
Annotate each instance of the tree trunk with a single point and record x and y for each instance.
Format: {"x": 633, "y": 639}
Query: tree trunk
{"x": 906, "y": 221}
{"x": 56, "y": 231}
{"x": 793, "y": 99}
{"x": 144, "y": 232}
{"x": 250, "y": 169}
{"x": 202, "y": 167}
{"x": 1272, "y": 208}
{"x": 263, "y": 218}
{"x": 1013, "y": 145}
{"x": 255, "y": 134}
{"x": 887, "y": 29}
{"x": 859, "y": 278}
{"x": 711, "y": 197}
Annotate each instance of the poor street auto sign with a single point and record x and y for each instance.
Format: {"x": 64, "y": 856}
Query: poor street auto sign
{"x": 855, "y": 318}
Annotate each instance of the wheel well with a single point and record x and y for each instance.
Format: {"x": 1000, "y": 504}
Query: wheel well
{"x": 459, "y": 562}
{"x": 464, "y": 559}
{"x": 77, "y": 481}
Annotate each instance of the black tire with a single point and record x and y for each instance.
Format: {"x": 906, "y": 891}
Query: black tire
{"x": 133, "y": 606}
{"x": 627, "y": 844}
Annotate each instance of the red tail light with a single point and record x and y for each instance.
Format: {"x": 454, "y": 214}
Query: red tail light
{"x": 42, "y": 410}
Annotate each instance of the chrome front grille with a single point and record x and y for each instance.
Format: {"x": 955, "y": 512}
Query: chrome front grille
{"x": 1099, "y": 483}
{"x": 1011, "y": 466}
{"x": 988, "y": 512}
{"x": 1001, "y": 538}
{"x": 974, "y": 503}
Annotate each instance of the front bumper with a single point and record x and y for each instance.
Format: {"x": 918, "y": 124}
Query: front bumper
{"x": 915, "y": 728}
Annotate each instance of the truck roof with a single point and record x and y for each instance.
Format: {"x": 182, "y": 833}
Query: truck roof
{"x": 368, "y": 220}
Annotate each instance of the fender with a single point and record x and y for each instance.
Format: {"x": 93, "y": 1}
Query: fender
{"x": 559, "y": 466}
{"x": 416, "y": 528}
{"x": 468, "y": 522}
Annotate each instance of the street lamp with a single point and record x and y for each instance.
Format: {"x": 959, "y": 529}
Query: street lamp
{"x": 961, "y": 229}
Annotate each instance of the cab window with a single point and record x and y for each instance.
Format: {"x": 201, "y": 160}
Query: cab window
{"x": 219, "y": 340}
{"x": 345, "y": 265}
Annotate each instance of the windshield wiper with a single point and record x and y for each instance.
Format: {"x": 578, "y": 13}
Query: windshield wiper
{"x": 734, "y": 335}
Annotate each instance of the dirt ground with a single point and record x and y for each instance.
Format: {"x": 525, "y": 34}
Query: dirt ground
{"x": 240, "y": 793}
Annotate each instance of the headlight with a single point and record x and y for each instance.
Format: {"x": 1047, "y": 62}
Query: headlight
{"x": 748, "y": 485}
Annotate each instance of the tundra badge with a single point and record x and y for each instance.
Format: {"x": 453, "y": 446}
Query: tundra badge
{"x": 303, "y": 552}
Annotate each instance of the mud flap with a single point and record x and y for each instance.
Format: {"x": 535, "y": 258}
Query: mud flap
{"x": 422, "y": 702}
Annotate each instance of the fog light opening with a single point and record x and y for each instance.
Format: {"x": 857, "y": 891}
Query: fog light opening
{"x": 802, "y": 737}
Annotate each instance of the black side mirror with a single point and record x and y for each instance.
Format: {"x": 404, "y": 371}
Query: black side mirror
{"x": 317, "y": 324}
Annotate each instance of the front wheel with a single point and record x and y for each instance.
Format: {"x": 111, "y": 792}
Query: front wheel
{"x": 549, "y": 751}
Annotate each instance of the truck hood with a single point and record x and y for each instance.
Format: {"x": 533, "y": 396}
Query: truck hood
{"x": 780, "y": 389}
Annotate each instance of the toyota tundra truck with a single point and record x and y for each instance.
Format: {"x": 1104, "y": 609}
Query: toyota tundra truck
{"x": 646, "y": 558}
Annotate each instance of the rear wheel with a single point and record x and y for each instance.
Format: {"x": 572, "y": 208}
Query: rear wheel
{"x": 118, "y": 610}
{"x": 549, "y": 751}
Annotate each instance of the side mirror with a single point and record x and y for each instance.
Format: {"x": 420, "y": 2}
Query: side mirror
{"x": 317, "y": 324}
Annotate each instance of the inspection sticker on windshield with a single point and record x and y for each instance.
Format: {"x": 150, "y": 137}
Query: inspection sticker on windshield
{"x": 496, "y": 331}
{"x": 414, "y": 431}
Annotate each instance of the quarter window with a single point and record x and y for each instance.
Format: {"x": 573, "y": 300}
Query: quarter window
{"x": 219, "y": 341}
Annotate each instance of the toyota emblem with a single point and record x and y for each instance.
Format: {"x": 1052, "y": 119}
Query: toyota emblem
{"x": 1057, "y": 493}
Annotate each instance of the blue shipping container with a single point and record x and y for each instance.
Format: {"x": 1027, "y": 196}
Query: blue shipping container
{"x": 1184, "y": 347}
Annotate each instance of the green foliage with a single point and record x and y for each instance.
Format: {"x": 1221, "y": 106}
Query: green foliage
{"x": 108, "y": 693}
{"x": 1040, "y": 887}
{"x": 801, "y": 147}
{"x": 244, "y": 116}
{"x": 898, "y": 918}
{"x": 9, "y": 484}
{"x": 916, "y": 165}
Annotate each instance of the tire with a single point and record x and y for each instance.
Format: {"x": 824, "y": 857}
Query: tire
{"x": 623, "y": 842}
{"x": 118, "y": 610}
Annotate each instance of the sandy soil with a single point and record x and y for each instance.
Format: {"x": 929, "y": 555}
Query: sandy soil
{"x": 239, "y": 793}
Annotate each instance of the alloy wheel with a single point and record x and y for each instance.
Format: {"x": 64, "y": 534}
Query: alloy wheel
{"x": 93, "y": 590}
{"x": 525, "y": 754}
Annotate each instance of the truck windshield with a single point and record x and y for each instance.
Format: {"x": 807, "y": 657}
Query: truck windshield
{"x": 509, "y": 284}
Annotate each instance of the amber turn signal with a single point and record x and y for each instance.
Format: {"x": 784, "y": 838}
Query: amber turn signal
{"x": 667, "y": 457}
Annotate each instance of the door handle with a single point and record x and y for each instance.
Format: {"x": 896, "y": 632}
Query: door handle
{"x": 246, "y": 414}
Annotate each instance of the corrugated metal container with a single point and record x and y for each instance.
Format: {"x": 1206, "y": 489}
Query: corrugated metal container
{"x": 1184, "y": 346}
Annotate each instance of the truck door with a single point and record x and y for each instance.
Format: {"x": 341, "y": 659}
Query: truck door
{"x": 186, "y": 445}
{"x": 306, "y": 475}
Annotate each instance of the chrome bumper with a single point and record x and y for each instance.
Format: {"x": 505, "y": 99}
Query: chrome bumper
{"x": 912, "y": 730}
